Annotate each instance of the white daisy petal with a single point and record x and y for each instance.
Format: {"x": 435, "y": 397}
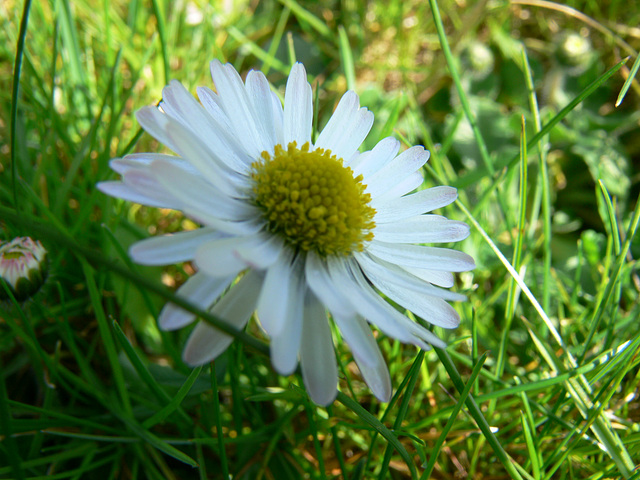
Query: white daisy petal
{"x": 325, "y": 289}
{"x": 126, "y": 192}
{"x": 287, "y": 219}
{"x": 298, "y": 107}
{"x": 154, "y": 123}
{"x": 238, "y": 107}
{"x": 201, "y": 290}
{"x": 206, "y": 342}
{"x": 370, "y": 162}
{"x": 347, "y": 128}
{"x": 380, "y": 271}
{"x": 412, "y": 293}
{"x": 376, "y": 374}
{"x": 436, "y": 277}
{"x": 278, "y": 118}
{"x": 433, "y": 258}
{"x": 276, "y": 294}
{"x": 195, "y": 151}
{"x": 260, "y": 95}
{"x": 193, "y": 191}
{"x": 414, "y": 204}
{"x": 286, "y": 344}
{"x": 396, "y": 170}
{"x": 355, "y": 331}
{"x": 143, "y": 160}
{"x": 317, "y": 356}
{"x": 407, "y": 185}
{"x": 231, "y": 255}
{"x": 170, "y": 249}
{"x": 422, "y": 229}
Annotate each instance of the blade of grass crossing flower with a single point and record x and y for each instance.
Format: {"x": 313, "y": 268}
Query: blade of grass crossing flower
{"x": 477, "y": 415}
{"x": 306, "y": 18}
{"x": 413, "y": 374}
{"x": 222, "y": 451}
{"x": 105, "y": 335}
{"x": 159, "y": 14}
{"x": 544, "y": 182}
{"x": 628, "y": 81}
{"x": 59, "y": 235}
{"x": 381, "y": 429}
{"x": 15, "y": 89}
{"x": 435, "y": 451}
{"x": 346, "y": 56}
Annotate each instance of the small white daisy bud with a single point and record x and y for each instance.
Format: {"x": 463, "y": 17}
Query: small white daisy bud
{"x": 23, "y": 266}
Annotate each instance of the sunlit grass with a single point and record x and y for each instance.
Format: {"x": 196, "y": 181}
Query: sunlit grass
{"x": 539, "y": 381}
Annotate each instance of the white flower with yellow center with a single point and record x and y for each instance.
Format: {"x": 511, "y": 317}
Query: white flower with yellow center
{"x": 307, "y": 228}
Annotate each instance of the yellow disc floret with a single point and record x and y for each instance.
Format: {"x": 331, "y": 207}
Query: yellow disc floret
{"x": 312, "y": 201}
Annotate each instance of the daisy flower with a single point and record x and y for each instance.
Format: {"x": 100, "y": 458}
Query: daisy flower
{"x": 293, "y": 229}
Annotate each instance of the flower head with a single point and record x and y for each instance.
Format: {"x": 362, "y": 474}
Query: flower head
{"x": 23, "y": 266}
{"x": 298, "y": 229}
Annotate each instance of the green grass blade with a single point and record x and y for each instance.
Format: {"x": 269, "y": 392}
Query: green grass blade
{"x": 435, "y": 451}
{"x": 628, "y": 81}
{"x": 346, "y": 56}
{"x": 381, "y": 429}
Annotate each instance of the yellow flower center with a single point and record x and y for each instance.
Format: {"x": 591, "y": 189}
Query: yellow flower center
{"x": 312, "y": 201}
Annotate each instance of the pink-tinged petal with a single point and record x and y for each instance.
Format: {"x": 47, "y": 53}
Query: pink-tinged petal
{"x": 206, "y": 342}
{"x": 201, "y": 290}
{"x": 155, "y": 124}
{"x": 212, "y": 131}
{"x": 370, "y": 162}
{"x": 422, "y": 229}
{"x": 192, "y": 149}
{"x": 130, "y": 194}
{"x": 298, "y": 107}
{"x": 432, "y": 258}
{"x": 415, "y": 204}
{"x": 143, "y": 160}
{"x": 317, "y": 356}
{"x": 170, "y": 249}
{"x": 195, "y": 192}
